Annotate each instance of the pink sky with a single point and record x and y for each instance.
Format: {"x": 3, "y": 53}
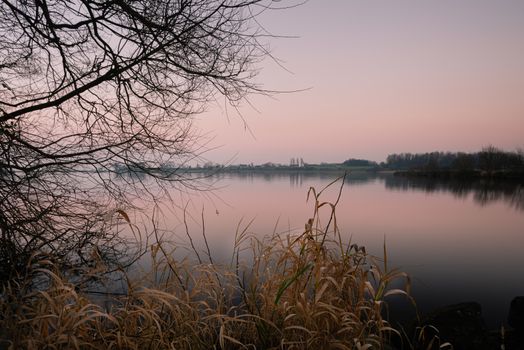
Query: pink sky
{"x": 383, "y": 76}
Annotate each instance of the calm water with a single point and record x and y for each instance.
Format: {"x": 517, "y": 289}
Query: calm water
{"x": 458, "y": 241}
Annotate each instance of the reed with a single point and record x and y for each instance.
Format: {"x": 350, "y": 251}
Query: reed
{"x": 309, "y": 290}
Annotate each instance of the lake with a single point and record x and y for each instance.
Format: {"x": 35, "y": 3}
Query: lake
{"x": 459, "y": 241}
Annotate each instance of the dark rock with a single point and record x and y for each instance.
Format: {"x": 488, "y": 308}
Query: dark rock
{"x": 516, "y": 313}
{"x": 461, "y": 325}
{"x": 513, "y": 340}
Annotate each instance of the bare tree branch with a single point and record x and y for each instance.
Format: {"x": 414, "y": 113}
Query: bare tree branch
{"x": 91, "y": 87}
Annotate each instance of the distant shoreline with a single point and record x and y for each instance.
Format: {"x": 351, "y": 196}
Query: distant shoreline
{"x": 284, "y": 169}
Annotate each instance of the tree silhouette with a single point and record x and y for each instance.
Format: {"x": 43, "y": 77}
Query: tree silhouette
{"x": 89, "y": 85}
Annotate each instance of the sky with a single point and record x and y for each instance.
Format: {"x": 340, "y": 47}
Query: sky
{"x": 380, "y": 77}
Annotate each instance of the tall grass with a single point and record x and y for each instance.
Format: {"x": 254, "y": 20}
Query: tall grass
{"x": 309, "y": 290}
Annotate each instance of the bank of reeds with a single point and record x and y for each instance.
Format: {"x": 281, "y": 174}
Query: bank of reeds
{"x": 310, "y": 290}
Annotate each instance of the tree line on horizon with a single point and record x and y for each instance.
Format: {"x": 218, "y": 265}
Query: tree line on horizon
{"x": 488, "y": 159}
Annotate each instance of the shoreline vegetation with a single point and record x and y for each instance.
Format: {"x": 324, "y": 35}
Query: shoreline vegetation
{"x": 490, "y": 164}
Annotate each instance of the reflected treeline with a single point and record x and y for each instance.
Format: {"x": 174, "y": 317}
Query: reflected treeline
{"x": 301, "y": 178}
{"x": 482, "y": 191}
{"x": 295, "y": 178}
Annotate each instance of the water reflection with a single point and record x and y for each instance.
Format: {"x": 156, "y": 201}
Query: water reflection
{"x": 299, "y": 178}
{"x": 483, "y": 192}
{"x": 444, "y": 234}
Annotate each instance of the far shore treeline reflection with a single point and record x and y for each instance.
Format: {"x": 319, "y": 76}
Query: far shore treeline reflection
{"x": 483, "y": 190}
